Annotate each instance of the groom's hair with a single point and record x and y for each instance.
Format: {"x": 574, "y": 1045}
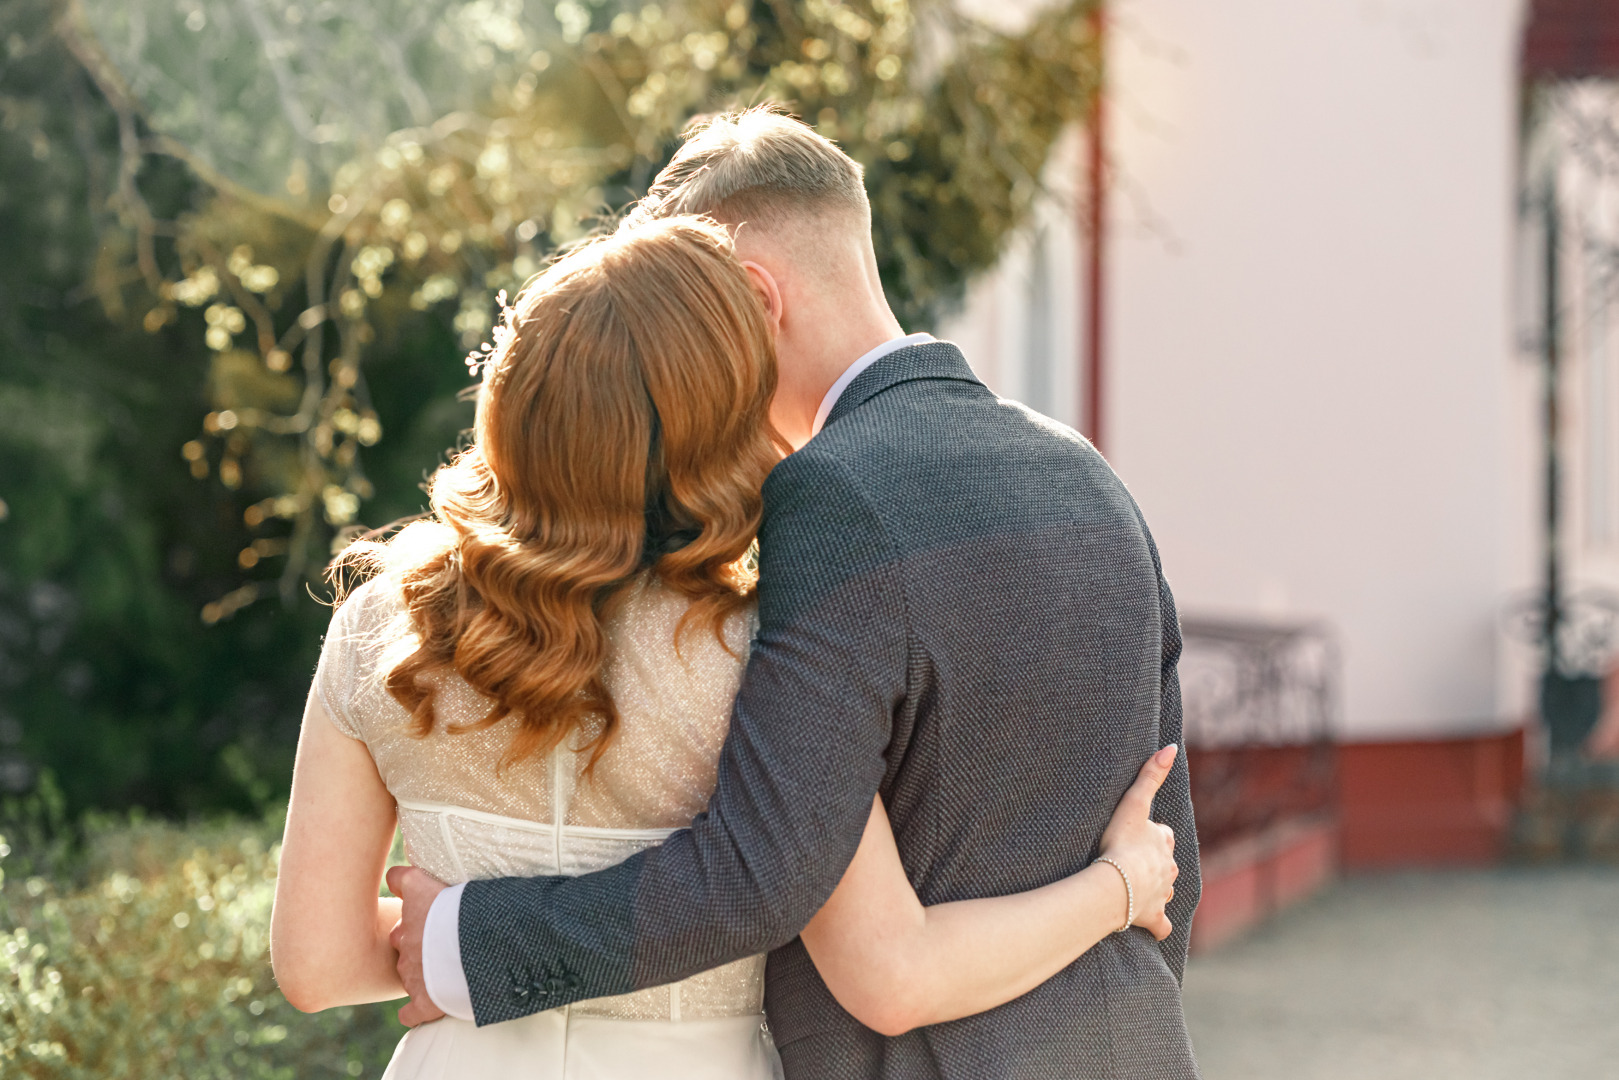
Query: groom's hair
{"x": 759, "y": 166}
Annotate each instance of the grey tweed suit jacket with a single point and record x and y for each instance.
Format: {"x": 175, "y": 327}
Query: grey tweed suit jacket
{"x": 960, "y": 608}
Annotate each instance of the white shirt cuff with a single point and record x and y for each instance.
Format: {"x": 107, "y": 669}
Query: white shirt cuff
{"x": 441, "y": 955}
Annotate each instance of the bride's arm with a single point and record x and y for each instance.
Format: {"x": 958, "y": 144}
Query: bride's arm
{"x": 896, "y": 965}
{"x": 329, "y": 932}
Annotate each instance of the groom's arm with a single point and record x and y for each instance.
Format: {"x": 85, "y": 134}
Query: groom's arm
{"x": 796, "y": 778}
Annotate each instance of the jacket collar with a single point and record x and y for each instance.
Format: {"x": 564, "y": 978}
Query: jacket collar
{"x": 928, "y": 360}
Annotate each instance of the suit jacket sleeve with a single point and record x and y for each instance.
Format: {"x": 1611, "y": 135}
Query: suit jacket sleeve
{"x": 1173, "y": 806}
{"x": 804, "y": 756}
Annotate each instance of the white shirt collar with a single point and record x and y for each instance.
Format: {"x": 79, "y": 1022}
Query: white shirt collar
{"x": 853, "y": 371}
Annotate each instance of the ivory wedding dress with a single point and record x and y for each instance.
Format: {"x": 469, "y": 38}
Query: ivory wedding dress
{"x": 462, "y": 821}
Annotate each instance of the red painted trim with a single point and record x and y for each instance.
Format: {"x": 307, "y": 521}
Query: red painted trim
{"x": 1092, "y": 237}
{"x": 1571, "y": 39}
{"x": 1432, "y": 802}
{"x": 1241, "y": 790}
{"x": 1418, "y": 803}
{"x": 1246, "y": 882}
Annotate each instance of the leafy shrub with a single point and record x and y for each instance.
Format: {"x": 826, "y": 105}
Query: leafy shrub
{"x": 109, "y": 550}
{"x": 145, "y": 953}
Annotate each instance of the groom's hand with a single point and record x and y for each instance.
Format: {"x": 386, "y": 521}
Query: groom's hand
{"x": 417, "y": 889}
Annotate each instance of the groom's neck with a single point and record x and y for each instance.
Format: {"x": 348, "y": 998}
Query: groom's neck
{"x": 809, "y": 370}
{"x": 834, "y": 316}
{"x": 851, "y": 323}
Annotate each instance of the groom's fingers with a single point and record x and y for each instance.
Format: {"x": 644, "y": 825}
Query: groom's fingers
{"x": 405, "y": 880}
{"x": 418, "y": 1011}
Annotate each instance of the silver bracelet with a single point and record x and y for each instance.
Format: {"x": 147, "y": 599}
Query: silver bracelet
{"x": 1129, "y": 894}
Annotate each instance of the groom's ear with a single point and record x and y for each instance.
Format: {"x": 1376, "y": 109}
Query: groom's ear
{"x": 764, "y": 283}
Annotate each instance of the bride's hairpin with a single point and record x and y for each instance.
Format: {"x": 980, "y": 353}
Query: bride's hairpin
{"x": 479, "y": 359}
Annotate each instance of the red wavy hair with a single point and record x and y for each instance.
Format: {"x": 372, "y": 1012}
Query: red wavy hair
{"x": 622, "y": 426}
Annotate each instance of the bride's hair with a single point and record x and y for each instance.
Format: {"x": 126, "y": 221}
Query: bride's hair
{"x": 622, "y": 426}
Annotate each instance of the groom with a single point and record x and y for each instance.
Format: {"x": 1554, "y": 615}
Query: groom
{"x": 960, "y": 608}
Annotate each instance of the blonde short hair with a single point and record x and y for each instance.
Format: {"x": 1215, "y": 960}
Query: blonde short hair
{"x": 758, "y": 166}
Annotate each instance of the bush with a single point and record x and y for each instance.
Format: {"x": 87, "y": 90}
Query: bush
{"x": 144, "y": 952}
{"x": 110, "y": 552}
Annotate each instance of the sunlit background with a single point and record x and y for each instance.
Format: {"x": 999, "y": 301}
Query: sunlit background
{"x": 1328, "y": 282}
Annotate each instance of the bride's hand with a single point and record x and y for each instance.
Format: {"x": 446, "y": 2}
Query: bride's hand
{"x": 1143, "y": 848}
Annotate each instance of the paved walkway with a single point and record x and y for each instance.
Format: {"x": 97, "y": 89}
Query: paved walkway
{"x": 1484, "y": 975}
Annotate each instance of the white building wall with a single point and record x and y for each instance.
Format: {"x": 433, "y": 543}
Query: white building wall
{"x": 1312, "y": 385}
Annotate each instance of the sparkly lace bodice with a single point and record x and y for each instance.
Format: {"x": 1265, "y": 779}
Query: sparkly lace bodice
{"x": 462, "y": 820}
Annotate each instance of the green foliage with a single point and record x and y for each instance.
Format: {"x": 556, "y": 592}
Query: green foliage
{"x": 109, "y": 548}
{"x": 147, "y": 955}
{"x": 466, "y": 139}
{"x": 251, "y": 243}
{"x": 247, "y": 245}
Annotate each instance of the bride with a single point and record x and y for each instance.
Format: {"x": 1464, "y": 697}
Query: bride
{"x": 538, "y": 680}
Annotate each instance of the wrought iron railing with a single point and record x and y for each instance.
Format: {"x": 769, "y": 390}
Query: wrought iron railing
{"x": 1260, "y": 701}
